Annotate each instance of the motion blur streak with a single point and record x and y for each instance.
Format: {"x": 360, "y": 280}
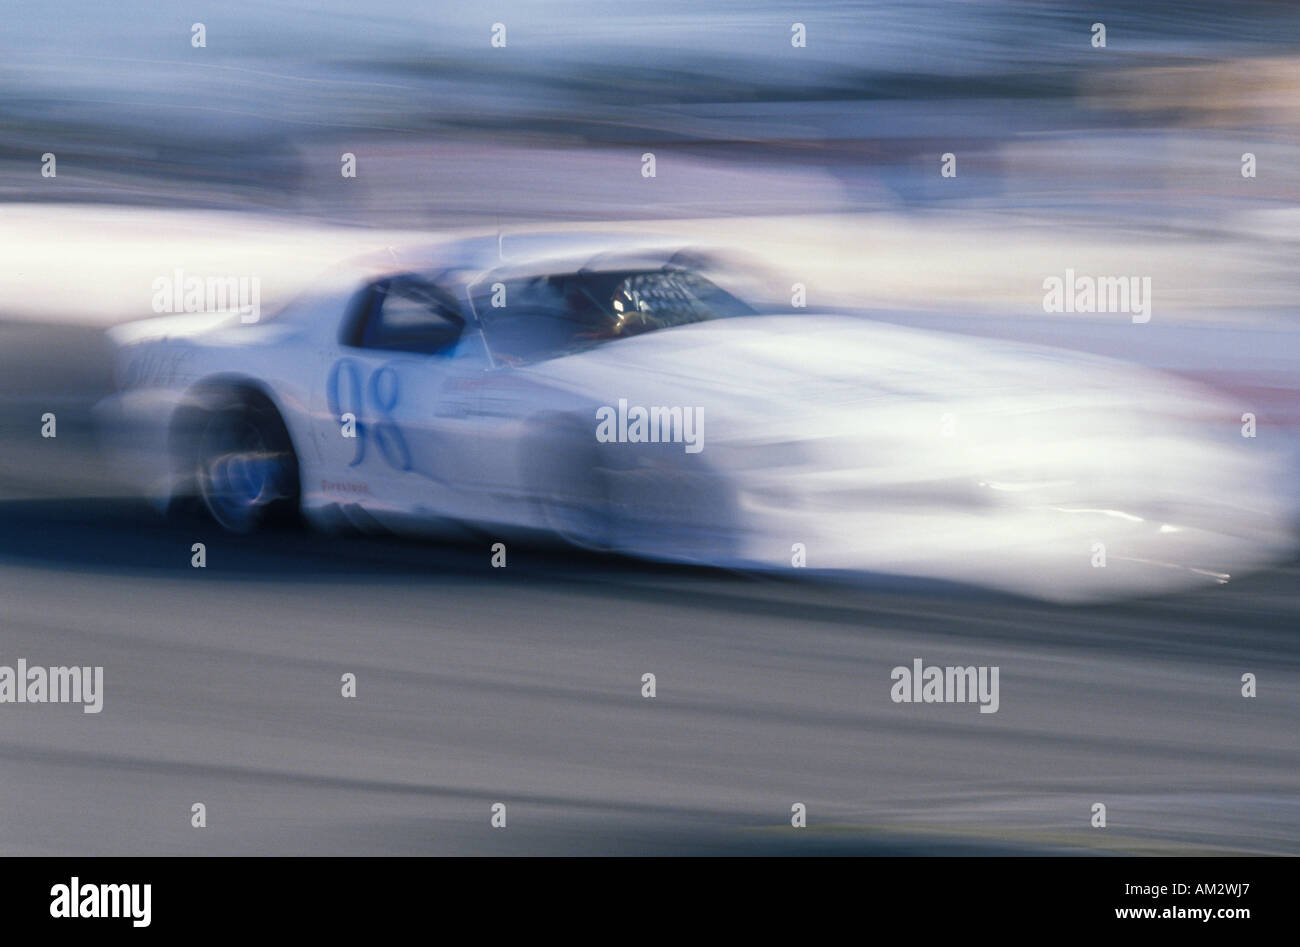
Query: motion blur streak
{"x": 913, "y": 405}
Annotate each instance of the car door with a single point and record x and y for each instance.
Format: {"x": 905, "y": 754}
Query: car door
{"x": 527, "y": 317}
{"x": 397, "y": 404}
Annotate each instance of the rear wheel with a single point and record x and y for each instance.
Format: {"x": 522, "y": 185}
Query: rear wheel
{"x": 245, "y": 468}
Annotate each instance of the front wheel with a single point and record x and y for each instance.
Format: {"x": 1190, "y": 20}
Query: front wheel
{"x": 650, "y": 500}
{"x": 570, "y": 488}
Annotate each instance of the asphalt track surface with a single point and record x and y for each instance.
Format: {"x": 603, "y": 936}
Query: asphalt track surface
{"x": 522, "y": 686}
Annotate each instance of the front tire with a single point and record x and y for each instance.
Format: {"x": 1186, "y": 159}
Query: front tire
{"x": 571, "y": 491}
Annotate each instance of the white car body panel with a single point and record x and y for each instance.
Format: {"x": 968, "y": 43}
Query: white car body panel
{"x": 880, "y": 449}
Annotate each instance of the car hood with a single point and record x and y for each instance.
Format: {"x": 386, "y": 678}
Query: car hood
{"x": 798, "y": 365}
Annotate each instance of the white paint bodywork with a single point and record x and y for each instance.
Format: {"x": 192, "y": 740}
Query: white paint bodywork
{"x": 880, "y": 449}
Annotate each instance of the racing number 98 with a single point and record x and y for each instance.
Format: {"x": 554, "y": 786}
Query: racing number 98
{"x": 382, "y": 391}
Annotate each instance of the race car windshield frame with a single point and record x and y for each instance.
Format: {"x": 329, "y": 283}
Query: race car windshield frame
{"x": 533, "y": 318}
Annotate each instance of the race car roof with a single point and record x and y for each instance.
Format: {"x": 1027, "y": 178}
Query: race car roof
{"x": 492, "y": 251}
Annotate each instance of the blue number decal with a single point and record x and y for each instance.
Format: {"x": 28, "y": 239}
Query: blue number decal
{"x": 384, "y": 395}
{"x": 383, "y": 391}
{"x": 353, "y": 406}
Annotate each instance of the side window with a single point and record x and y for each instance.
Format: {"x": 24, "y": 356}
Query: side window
{"x": 407, "y": 315}
{"x": 538, "y": 317}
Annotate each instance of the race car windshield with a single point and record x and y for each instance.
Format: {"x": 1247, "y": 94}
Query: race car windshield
{"x": 536, "y": 318}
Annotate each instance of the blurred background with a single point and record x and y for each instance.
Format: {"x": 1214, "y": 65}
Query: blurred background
{"x": 825, "y": 160}
{"x": 1066, "y": 153}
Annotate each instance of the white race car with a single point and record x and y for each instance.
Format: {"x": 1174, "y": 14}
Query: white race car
{"x": 630, "y": 398}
